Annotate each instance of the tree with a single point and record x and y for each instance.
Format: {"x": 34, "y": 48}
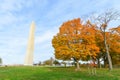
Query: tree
{"x": 114, "y": 45}
{"x": 47, "y": 62}
{"x": 103, "y": 21}
{"x": 75, "y": 40}
{"x": 112, "y": 38}
{"x": 0, "y": 61}
{"x": 56, "y": 62}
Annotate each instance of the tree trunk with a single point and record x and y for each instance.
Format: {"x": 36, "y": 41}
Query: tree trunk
{"x": 105, "y": 61}
{"x": 109, "y": 58}
{"x": 78, "y": 66}
{"x": 65, "y": 65}
{"x": 98, "y": 63}
{"x": 107, "y": 51}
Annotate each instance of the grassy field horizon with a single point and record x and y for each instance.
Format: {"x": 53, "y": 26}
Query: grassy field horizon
{"x": 55, "y": 73}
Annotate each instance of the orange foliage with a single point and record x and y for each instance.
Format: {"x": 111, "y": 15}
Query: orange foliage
{"x": 75, "y": 39}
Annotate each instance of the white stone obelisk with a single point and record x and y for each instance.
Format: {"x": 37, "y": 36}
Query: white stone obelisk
{"x": 30, "y": 46}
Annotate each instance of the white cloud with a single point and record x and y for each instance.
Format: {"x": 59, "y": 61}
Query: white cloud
{"x": 116, "y": 4}
{"x": 10, "y": 5}
{"x": 46, "y": 36}
{"x": 43, "y": 38}
{"x": 12, "y": 48}
{"x": 7, "y": 18}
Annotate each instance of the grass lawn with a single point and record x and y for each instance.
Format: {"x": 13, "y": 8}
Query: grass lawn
{"x": 55, "y": 73}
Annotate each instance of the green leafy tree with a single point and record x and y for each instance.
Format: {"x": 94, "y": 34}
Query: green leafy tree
{"x": 56, "y": 62}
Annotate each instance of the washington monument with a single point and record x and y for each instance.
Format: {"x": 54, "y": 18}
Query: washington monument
{"x": 30, "y": 46}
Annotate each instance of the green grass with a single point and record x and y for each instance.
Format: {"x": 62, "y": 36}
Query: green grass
{"x": 58, "y": 73}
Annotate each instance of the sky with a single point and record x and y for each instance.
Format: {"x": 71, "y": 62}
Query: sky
{"x": 16, "y": 17}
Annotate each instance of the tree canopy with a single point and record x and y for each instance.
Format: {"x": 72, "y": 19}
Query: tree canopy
{"x": 75, "y": 39}
{"x": 84, "y": 41}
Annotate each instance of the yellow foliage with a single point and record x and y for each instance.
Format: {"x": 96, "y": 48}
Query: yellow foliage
{"x": 75, "y": 40}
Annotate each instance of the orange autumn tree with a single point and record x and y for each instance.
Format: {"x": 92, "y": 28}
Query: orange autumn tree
{"x": 102, "y": 22}
{"x": 113, "y": 41}
{"x": 100, "y": 43}
{"x": 114, "y": 45}
{"x": 75, "y": 40}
